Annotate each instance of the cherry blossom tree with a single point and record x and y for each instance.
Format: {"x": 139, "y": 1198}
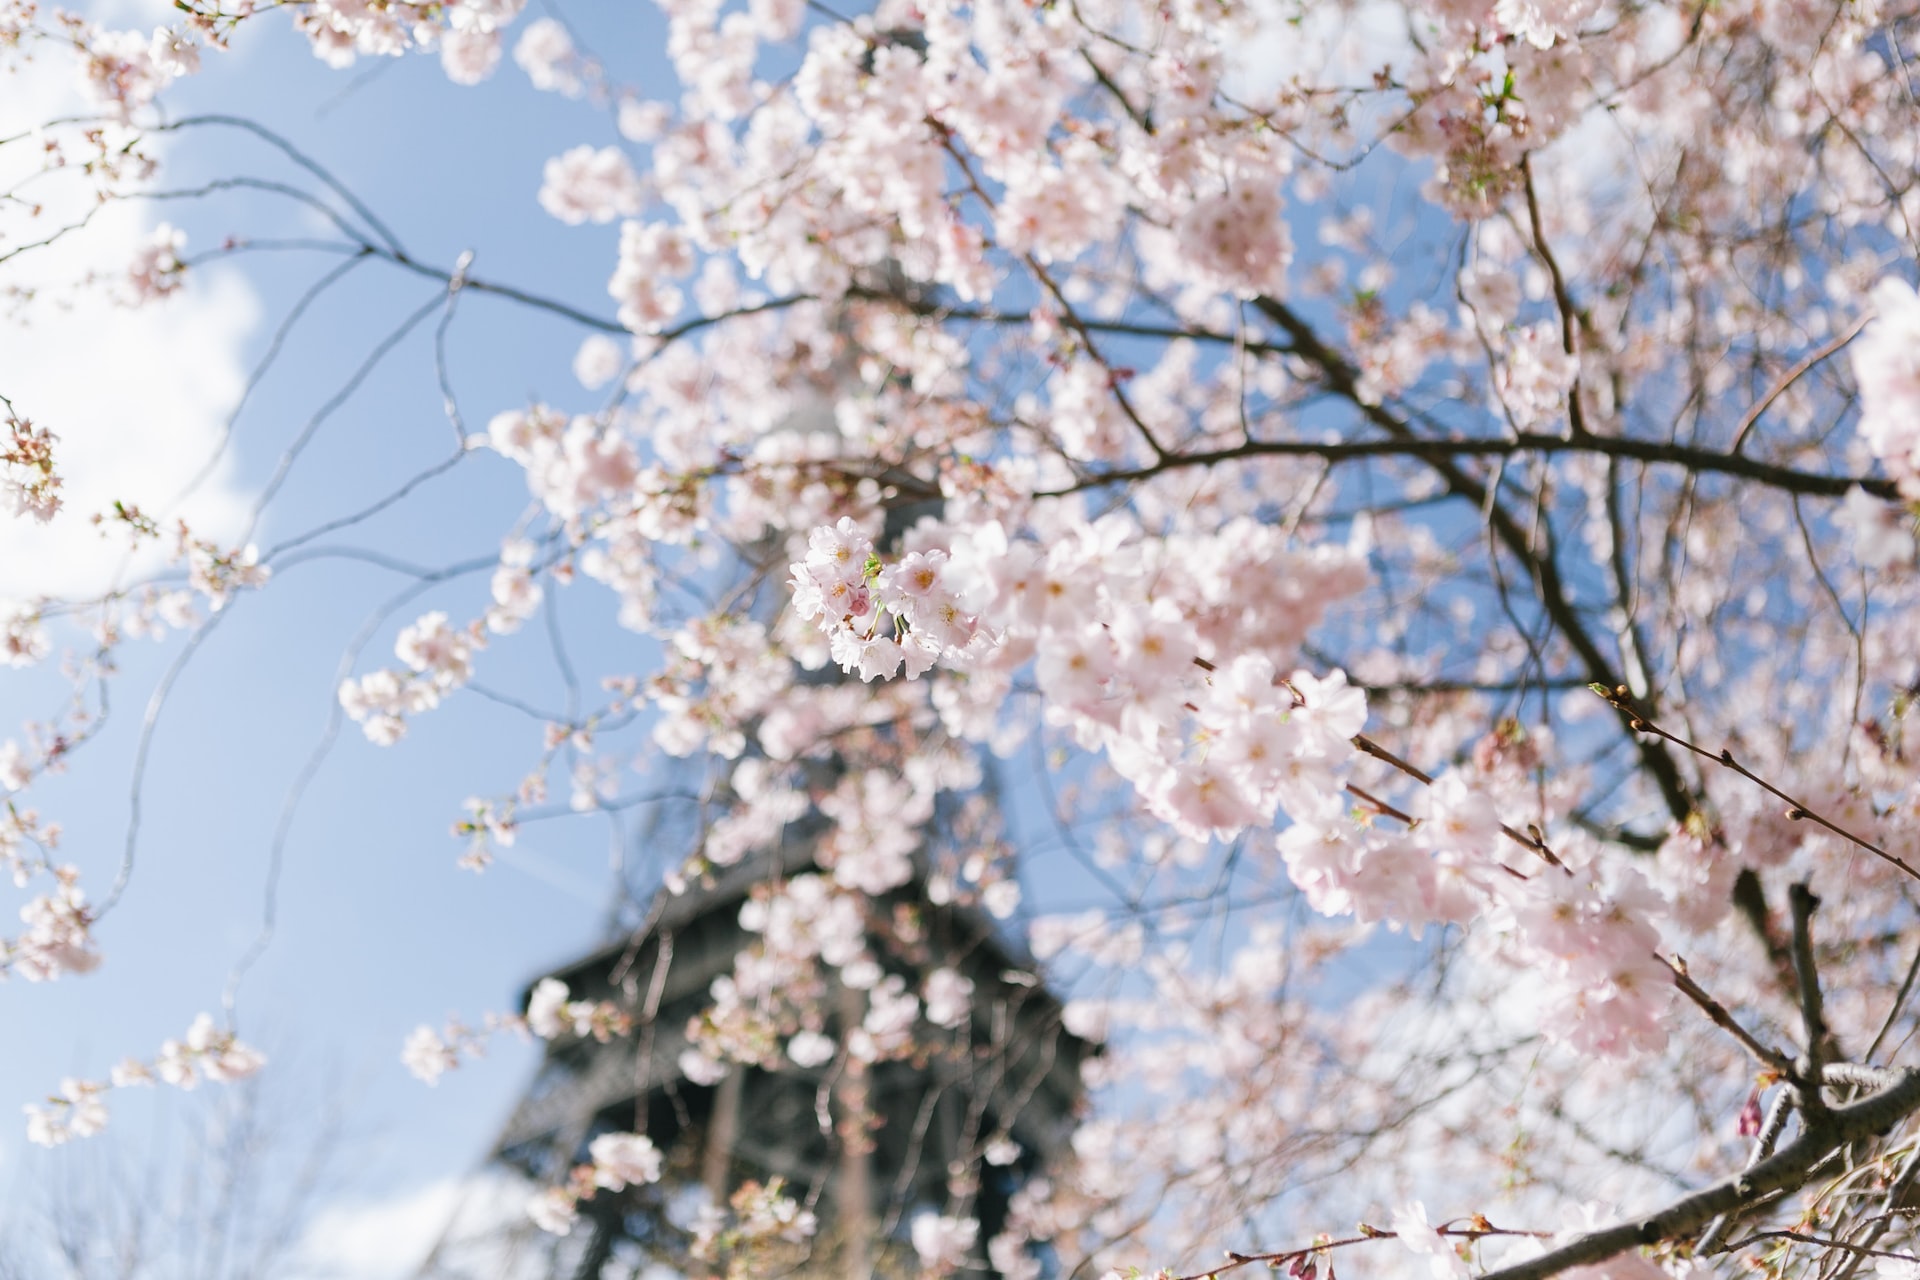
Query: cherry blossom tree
{"x": 1418, "y": 496}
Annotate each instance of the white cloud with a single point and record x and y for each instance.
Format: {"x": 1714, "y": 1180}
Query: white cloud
{"x": 388, "y": 1239}
{"x": 138, "y": 399}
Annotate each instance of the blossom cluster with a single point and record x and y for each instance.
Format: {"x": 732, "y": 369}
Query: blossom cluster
{"x": 438, "y": 658}
{"x": 156, "y": 270}
{"x": 217, "y": 573}
{"x": 551, "y": 1013}
{"x": 429, "y": 1052}
{"x": 616, "y": 1161}
{"x": 78, "y": 1109}
{"x": 467, "y": 32}
{"x": 761, "y": 1227}
{"x": 880, "y": 619}
{"x": 28, "y": 481}
{"x": 1889, "y": 375}
{"x": 1122, "y": 674}
{"x": 58, "y": 938}
{"x": 122, "y": 71}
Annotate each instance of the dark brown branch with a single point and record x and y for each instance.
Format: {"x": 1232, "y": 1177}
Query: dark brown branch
{"x": 1801, "y": 902}
{"x": 1783, "y": 1171}
{"x": 1341, "y": 377}
{"x": 1660, "y": 452}
{"x": 1531, "y": 843}
{"x": 298, "y": 157}
{"x": 936, "y": 309}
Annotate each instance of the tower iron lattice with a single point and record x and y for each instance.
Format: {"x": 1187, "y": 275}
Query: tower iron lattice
{"x": 865, "y": 1147}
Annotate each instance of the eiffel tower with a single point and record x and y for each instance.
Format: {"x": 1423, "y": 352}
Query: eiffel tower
{"x": 866, "y": 1148}
{"x": 1013, "y": 1073}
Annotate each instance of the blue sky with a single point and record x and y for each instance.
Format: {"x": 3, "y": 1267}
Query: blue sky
{"x": 377, "y": 930}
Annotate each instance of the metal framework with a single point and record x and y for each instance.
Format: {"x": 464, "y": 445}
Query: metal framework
{"x": 1014, "y": 1072}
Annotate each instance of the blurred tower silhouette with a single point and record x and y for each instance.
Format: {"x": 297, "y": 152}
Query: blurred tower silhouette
{"x": 1013, "y": 1071}
{"x": 1009, "y": 1071}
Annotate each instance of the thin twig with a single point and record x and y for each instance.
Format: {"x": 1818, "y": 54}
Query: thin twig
{"x": 1792, "y": 376}
{"x": 1893, "y": 1014}
{"x": 1763, "y": 1143}
{"x": 1235, "y": 1259}
{"x": 1721, "y": 1018}
{"x": 1828, "y": 1242}
{"x": 1562, "y": 296}
{"x": 1618, "y": 699}
{"x": 1896, "y": 1192}
{"x": 1532, "y": 844}
{"x": 1689, "y": 457}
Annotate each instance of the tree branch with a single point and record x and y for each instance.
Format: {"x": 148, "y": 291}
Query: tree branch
{"x": 1783, "y": 1171}
{"x": 1801, "y": 901}
{"x": 1616, "y": 698}
{"x": 1667, "y": 453}
{"x": 1342, "y": 378}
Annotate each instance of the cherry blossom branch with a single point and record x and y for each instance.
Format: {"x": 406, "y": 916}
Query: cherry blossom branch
{"x": 297, "y": 790}
{"x": 333, "y": 404}
{"x": 1532, "y": 843}
{"x": 58, "y": 233}
{"x": 1783, "y": 1171}
{"x": 1442, "y": 687}
{"x": 267, "y": 244}
{"x": 1381, "y": 806}
{"x": 356, "y": 241}
{"x": 277, "y": 846}
{"x": 136, "y": 787}
{"x": 1691, "y": 457}
{"x": 438, "y": 469}
{"x": 931, "y": 310}
{"x": 1801, "y": 1237}
{"x": 258, "y": 373}
{"x": 1723, "y": 1019}
{"x": 383, "y": 244}
{"x": 1860, "y": 1075}
{"x": 360, "y": 247}
{"x": 1633, "y": 643}
{"x": 515, "y": 294}
{"x": 1893, "y": 1011}
{"x": 1617, "y": 698}
{"x": 1069, "y": 314}
{"x": 1341, "y": 377}
{"x": 1889, "y": 1205}
{"x": 78, "y": 1110}
{"x": 1481, "y": 1230}
{"x": 1793, "y": 375}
